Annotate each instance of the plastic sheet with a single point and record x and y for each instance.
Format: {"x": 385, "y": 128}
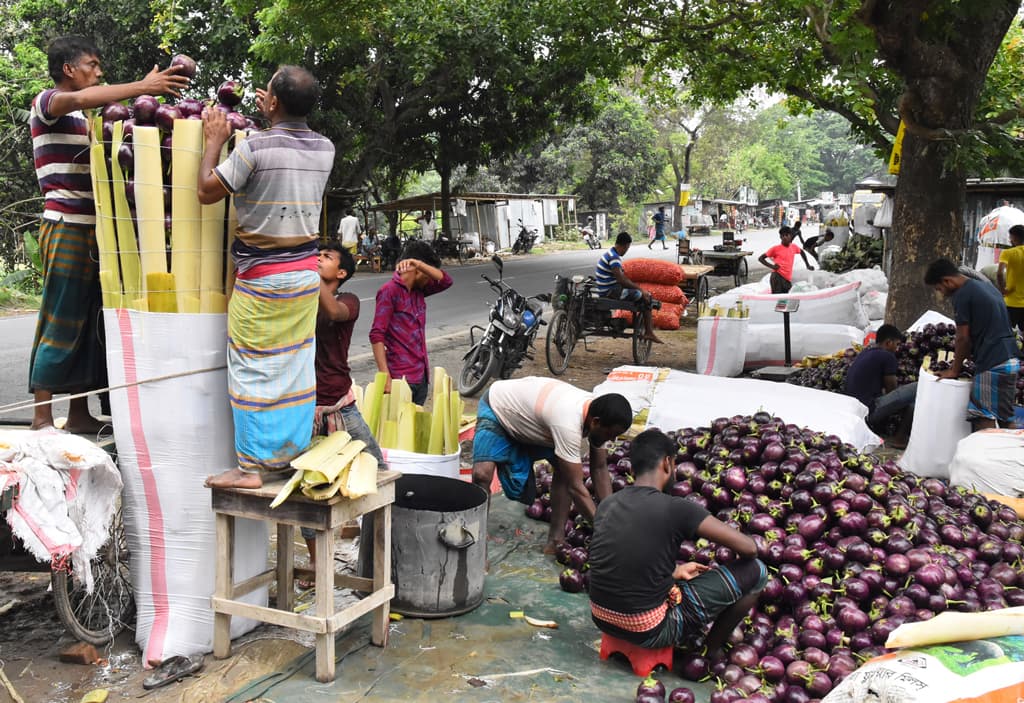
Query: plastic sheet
{"x": 170, "y": 435}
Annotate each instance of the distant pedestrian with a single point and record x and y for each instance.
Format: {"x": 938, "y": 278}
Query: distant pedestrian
{"x": 349, "y": 231}
{"x": 660, "y": 220}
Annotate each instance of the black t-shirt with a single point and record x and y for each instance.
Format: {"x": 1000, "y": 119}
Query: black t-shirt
{"x": 333, "y": 374}
{"x": 864, "y": 378}
{"x": 637, "y": 533}
{"x": 981, "y": 307}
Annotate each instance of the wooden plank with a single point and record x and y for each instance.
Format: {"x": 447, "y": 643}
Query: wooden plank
{"x": 254, "y": 582}
{"x": 356, "y": 583}
{"x": 223, "y": 584}
{"x": 285, "y": 567}
{"x": 692, "y": 271}
{"x": 271, "y": 615}
{"x": 271, "y": 488}
{"x": 379, "y": 599}
{"x": 381, "y": 573}
{"x": 325, "y": 604}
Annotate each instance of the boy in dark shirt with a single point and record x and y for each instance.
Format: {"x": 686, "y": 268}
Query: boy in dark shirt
{"x": 335, "y": 402}
{"x": 637, "y": 591}
{"x": 872, "y": 379}
{"x": 983, "y": 333}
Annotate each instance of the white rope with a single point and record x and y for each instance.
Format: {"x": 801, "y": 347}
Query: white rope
{"x": 29, "y": 404}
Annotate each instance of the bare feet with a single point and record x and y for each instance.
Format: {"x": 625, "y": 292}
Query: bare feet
{"x": 88, "y": 426}
{"x": 551, "y": 548}
{"x": 234, "y": 478}
{"x": 653, "y": 338}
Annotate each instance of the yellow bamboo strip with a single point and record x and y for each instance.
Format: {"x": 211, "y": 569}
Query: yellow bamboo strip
{"x": 106, "y": 239}
{"x": 127, "y": 245}
{"x": 160, "y": 294}
{"x": 211, "y": 261}
{"x": 149, "y": 205}
{"x": 186, "y": 153}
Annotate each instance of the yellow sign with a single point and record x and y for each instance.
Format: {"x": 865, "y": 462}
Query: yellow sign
{"x": 897, "y": 151}
{"x": 684, "y": 194}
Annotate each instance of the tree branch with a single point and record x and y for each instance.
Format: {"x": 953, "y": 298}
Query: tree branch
{"x": 875, "y": 132}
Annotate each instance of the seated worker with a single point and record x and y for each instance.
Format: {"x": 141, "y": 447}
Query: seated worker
{"x": 812, "y": 244}
{"x": 782, "y": 256}
{"x": 637, "y": 591}
{"x": 390, "y": 248}
{"x": 872, "y": 379}
{"x": 522, "y": 420}
{"x": 613, "y": 283}
{"x": 368, "y": 243}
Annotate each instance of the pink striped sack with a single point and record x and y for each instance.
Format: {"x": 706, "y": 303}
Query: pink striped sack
{"x": 721, "y": 345}
{"x": 170, "y": 435}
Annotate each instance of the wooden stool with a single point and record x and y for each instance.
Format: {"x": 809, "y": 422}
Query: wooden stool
{"x": 642, "y": 660}
{"x": 324, "y": 517}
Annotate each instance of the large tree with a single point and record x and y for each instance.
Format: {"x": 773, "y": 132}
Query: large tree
{"x": 440, "y": 84}
{"x": 875, "y": 62}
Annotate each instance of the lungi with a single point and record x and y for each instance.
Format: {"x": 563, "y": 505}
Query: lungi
{"x": 271, "y": 374}
{"x": 67, "y": 354}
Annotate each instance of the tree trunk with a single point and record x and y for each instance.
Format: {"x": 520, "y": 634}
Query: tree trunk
{"x": 927, "y": 224}
{"x": 445, "y": 171}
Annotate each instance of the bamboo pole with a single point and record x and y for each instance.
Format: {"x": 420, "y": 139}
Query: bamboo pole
{"x": 187, "y": 145}
{"x": 128, "y": 247}
{"x": 149, "y": 205}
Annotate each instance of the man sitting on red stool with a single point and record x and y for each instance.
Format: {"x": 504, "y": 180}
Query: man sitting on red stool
{"x": 637, "y": 591}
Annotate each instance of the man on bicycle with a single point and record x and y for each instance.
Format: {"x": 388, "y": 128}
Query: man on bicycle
{"x": 612, "y": 281}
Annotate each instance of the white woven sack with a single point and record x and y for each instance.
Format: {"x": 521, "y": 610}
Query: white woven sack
{"x": 170, "y": 436}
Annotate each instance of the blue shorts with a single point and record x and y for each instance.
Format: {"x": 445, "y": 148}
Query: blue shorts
{"x": 617, "y": 292}
{"x": 514, "y": 459}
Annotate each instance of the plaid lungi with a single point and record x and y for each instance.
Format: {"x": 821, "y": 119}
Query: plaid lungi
{"x": 67, "y": 354}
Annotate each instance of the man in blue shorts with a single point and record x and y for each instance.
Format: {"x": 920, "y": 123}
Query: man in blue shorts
{"x": 637, "y": 591}
{"x": 983, "y": 333}
{"x": 522, "y": 420}
{"x": 612, "y": 281}
{"x": 660, "y": 220}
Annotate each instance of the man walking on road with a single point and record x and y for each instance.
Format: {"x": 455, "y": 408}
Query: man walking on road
{"x": 349, "y": 230}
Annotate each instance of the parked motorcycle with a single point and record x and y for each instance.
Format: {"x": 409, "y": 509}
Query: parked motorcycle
{"x": 589, "y": 237}
{"x": 507, "y": 340}
{"x": 525, "y": 241}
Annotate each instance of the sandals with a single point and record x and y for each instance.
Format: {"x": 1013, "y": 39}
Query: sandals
{"x": 173, "y": 669}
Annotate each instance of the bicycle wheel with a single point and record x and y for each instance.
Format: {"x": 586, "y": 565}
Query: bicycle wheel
{"x": 560, "y": 342}
{"x": 100, "y": 617}
{"x": 477, "y": 369}
{"x": 641, "y": 346}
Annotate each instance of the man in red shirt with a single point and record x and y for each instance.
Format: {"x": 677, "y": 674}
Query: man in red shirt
{"x": 398, "y": 336}
{"x": 782, "y": 256}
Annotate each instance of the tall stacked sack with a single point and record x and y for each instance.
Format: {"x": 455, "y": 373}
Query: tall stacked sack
{"x": 661, "y": 279}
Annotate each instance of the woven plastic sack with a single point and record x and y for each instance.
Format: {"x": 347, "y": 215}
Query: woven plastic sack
{"x": 983, "y": 671}
{"x": 653, "y": 271}
{"x": 666, "y": 294}
{"x": 991, "y": 461}
{"x": 721, "y": 345}
{"x": 940, "y": 422}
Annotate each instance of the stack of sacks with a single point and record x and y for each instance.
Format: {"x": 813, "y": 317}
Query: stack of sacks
{"x": 661, "y": 279}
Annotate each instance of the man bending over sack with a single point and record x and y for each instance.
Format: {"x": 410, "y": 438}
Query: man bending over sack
{"x": 637, "y": 591}
{"x": 982, "y": 332}
{"x": 523, "y": 420}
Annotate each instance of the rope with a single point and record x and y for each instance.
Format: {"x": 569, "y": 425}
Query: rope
{"x": 28, "y": 404}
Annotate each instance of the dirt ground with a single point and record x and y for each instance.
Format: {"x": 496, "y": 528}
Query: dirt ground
{"x": 31, "y": 636}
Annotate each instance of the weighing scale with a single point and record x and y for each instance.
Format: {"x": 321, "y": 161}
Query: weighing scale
{"x": 781, "y": 373}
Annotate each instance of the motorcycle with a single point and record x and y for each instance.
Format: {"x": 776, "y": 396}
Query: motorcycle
{"x": 525, "y": 241}
{"x": 589, "y": 237}
{"x": 507, "y": 340}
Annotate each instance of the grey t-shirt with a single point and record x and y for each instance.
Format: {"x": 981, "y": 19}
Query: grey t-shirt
{"x": 980, "y": 306}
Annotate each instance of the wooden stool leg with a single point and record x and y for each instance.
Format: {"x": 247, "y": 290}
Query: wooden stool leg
{"x": 381, "y": 572}
{"x": 224, "y": 584}
{"x": 285, "y": 567}
{"x": 325, "y": 603}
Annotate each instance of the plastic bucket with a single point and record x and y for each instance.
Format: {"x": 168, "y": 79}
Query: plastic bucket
{"x": 438, "y": 546}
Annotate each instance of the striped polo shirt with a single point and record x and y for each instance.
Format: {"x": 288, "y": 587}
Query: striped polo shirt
{"x": 278, "y": 178}
{"x": 60, "y": 150}
{"x": 604, "y": 277}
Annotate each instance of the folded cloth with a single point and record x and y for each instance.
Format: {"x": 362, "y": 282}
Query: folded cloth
{"x": 68, "y": 496}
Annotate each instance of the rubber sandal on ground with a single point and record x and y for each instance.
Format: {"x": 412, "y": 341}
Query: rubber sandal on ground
{"x": 173, "y": 669}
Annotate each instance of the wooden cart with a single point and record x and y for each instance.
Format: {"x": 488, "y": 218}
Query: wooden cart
{"x": 695, "y": 285}
{"x": 731, "y": 262}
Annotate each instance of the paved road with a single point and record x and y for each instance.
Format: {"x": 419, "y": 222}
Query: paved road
{"x": 448, "y": 315}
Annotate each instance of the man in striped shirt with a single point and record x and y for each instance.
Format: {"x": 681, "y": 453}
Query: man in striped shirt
{"x": 612, "y": 281}
{"x": 277, "y": 178}
{"x": 67, "y": 355}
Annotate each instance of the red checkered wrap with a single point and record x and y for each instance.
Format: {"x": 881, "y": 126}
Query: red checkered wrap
{"x": 637, "y": 622}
